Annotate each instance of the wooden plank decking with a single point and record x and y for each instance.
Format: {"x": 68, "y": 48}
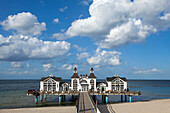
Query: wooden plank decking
{"x": 85, "y": 103}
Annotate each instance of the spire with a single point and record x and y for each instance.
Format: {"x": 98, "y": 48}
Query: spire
{"x": 75, "y": 75}
{"x": 116, "y": 75}
{"x": 75, "y": 70}
{"x": 92, "y": 73}
{"x": 92, "y": 70}
{"x": 51, "y": 75}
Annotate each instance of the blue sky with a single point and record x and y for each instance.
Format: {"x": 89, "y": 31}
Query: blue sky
{"x": 40, "y": 37}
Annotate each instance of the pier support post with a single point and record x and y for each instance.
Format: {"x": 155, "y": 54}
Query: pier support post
{"x": 72, "y": 97}
{"x": 59, "y": 99}
{"x": 41, "y": 98}
{"x": 107, "y": 99}
{"x": 121, "y": 98}
{"x": 102, "y": 98}
{"x": 36, "y": 99}
{"x": 130, "y": 99}
{"x": 64, "y": 97}
{"x": 94, "y": 97}
{"x": 125, "y": 98}
{"x": 45, "y": 97}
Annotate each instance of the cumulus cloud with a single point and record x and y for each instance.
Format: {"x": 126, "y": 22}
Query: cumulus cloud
{"x": 68, "y": 66}
{"x": 47, "y": 67}
{"x": 105, "y": 58}
{"x": 63, "y": 9}
{"x": 19, "y": 47}
{"x": 86, "y": 2}
{"x": 28, "y": 65}
{"x": 165, "y": 17}
{"x": 56, "y": 20}
{"x": 82, "y": 55}
{"x": 17, "y": 64}
{"x": 79, "y": 48}
{"x": 60, "y": 36}
{"x": 151, "y": 71}
{"x": 130, "y": 32}
{"x": 113, "y": 23}
{"x": 24, "y": 23}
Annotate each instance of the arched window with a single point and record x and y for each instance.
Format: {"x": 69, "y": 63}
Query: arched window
{"x": 92, "y": 84}
{"x": 49, "y": 85}
{"x": 75, "y": 84}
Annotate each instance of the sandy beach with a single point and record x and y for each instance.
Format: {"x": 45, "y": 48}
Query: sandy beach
{"x": 63, "y": 109}
{"x": 155, "y": 106}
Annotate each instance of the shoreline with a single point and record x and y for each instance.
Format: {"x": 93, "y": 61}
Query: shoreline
{"x": 150, "y": 106}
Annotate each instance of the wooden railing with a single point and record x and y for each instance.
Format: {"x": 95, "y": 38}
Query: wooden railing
{"x": 77, "y": 103}
{"x": 93, "y": 103}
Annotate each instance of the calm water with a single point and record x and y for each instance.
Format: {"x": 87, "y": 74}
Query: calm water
{"x": 13, "y": 93}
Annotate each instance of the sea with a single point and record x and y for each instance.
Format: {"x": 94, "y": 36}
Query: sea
{"x": 13, "y": 93}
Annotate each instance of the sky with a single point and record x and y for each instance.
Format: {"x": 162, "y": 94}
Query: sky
{"x": 125, "y": 37}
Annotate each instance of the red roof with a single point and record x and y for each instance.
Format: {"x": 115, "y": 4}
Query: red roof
{"x": 92, "y": 75}
{"x": 75, "y": 69}
{"x": 75, "y": 75}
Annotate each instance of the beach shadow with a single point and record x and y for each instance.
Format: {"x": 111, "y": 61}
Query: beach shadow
{"x": 103, "y": 108}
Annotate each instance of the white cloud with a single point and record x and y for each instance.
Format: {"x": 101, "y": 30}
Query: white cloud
{"x": 68, "y": 54}
{"x": 60, "y": 36}
{"x": 24, "y": 23}
{"x": 69, "y": 66}
{"x": 86, "y": 2}
{"x": 47, "y": 67}
{"x": 56, "y": 20}
{"x": 63, "y": 9}
{"x": 151, "y": 71}
{"x": 81, "y": 16}
{"x": 28, "y": 65}
{"x": 131, "y": 32}
{"x": 17, "y": 64}
{"x": 79, "y": 48}
{"x": 105, "y": 58}
{"x": 114, "y": 23}
{"x": 82, "y": 55}
{"x": 62, "y": 30}
{"x": 18, "y": 48}
{"x": 165, "y": 17}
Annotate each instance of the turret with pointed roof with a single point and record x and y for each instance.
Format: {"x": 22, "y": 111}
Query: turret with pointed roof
{"x": 75, "y": 75}
{"x": 92, "y": 73}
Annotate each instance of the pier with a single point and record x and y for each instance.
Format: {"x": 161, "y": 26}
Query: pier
{"x": 86, "y": 87}
{"x": 62, "y": 94}
{"x": 85, "y": 104}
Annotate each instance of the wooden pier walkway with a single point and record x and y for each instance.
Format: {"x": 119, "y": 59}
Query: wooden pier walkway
{"x": 85, "y": 103}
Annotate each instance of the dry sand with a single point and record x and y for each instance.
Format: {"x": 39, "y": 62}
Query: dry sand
{"x": 155, "y": 106}
{"x": 64, "y": 109}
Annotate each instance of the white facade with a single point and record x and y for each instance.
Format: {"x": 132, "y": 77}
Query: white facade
{"x": 84, "y": 82}
{"x": 116, "y": 83}
{"x": 50, "y": 83}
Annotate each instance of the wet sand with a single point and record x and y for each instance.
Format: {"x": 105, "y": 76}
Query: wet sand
{"x": 155, "y": 106}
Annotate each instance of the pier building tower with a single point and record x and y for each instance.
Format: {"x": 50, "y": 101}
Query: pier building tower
{"x": 84, "y": 82}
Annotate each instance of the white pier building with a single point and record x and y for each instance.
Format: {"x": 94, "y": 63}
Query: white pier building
{"x": 83, "y": 82}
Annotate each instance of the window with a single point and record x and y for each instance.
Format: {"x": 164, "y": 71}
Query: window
{"x": 92, "y": 84}
{"x": 75, "y": 84}
{"x": 49, "y": 85}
